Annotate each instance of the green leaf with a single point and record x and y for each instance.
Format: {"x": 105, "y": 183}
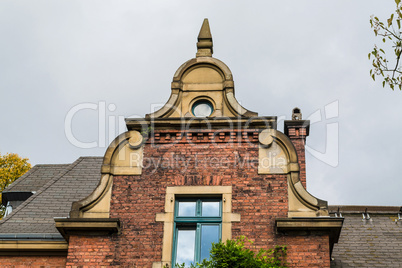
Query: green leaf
{"x": 398, "y": 11}
{"x": 397, "y": 2}
{"x": 373, "y": 77}
{"x": 390, "y": 20}
{"x": 399, "y": 23}
{"x": 383, "y": 83}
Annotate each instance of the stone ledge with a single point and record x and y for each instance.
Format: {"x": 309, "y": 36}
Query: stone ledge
{"x": 33, "y": 247}
{"x": 142, "y": 124}
{"x": 87, "y": 226}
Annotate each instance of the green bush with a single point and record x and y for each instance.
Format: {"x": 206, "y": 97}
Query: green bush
{"x": 234, "y": 254}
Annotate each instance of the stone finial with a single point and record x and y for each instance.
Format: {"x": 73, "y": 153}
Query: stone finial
{"x": 204, "y": 44}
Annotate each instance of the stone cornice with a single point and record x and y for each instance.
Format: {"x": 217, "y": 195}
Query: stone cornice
{"x": 87, "y": 226}
{"x": 143, "y": 124}
{"x": 33, "y": 247}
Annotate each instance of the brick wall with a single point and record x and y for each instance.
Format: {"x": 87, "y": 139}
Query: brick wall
{"x": 32, "y": 261}
{"x": 298, "y": 137}
{"x": 308, "y": 251}
{"x": 91, "y": 251}
{"x": 199, "y": 158}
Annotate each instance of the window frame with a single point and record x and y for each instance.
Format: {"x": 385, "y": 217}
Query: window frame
{"x": 195, "y": 223}
{"x": 200, "y": 102}
{"x": 167, "y": 217}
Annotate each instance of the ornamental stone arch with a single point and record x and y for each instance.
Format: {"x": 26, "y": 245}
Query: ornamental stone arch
{"x": 203, "y": 77}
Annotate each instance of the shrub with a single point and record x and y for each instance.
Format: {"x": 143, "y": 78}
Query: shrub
{"x": 234, "y": 254}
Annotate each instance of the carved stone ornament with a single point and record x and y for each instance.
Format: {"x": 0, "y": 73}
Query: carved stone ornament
{"x": 123, "y": 157}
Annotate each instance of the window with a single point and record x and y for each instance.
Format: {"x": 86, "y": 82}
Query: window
{"x": 197, "y": 223}
{"x": 202, "y": 108}
{"x": 175, "y": 194}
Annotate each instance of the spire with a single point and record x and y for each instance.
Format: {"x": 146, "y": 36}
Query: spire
{"x": 204, "y": 45}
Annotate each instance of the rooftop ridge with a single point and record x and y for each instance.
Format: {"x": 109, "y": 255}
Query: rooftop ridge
{"x": 51, "y": 165}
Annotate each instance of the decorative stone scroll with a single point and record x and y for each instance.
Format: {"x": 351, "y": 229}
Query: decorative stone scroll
{"x": 123, "y": 157}
{"x": 272, "y": 157}
{"x": 277, "y": 155}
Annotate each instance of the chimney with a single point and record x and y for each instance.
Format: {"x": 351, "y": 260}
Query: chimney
{"x": 297, "y": 130}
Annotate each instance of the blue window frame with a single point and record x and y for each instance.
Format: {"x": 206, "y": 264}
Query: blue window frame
{"x": 197, "y": 223}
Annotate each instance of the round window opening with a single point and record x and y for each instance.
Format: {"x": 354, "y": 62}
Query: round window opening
{"x": 202, "y": 108}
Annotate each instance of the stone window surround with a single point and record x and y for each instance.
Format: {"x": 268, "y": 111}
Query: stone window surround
{"x": 167, "y": 217}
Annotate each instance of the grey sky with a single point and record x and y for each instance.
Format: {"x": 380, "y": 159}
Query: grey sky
{"x": 57, "y": 54}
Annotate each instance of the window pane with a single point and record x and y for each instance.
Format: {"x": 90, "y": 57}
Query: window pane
{"x": 187, "y": 209}
{"x": 209, "y": 234}
{"x": 202, "y": 110}
{"x": 210, "y": 209}
{"x": 185, "y": 247}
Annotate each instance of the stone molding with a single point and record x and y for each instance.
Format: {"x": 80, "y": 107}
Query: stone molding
{"x": 192, "y": 123}
{"x": 123, "y": 157}
{"x": 33, "y": 247}
{"x": 68, "y": 226}
{"x": 226, "y": 86}
{"x": 301, "y": 203}
{"x": 203, "y": 77}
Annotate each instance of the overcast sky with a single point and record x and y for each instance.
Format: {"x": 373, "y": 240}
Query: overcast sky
{"x": 55, "y": 55}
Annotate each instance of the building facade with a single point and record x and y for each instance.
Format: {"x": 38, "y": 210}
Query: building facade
{"x": 199, "y": 170}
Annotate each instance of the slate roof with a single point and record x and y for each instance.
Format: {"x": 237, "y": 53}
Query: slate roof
{"x": 376, "y": 242}
{"x": 54, "y": 199}
{"x": 35, "y": 178}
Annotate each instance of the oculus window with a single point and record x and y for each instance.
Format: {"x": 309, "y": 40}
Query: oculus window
{"x": 197, "y": 225}
{"x": 202, "y": 108}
